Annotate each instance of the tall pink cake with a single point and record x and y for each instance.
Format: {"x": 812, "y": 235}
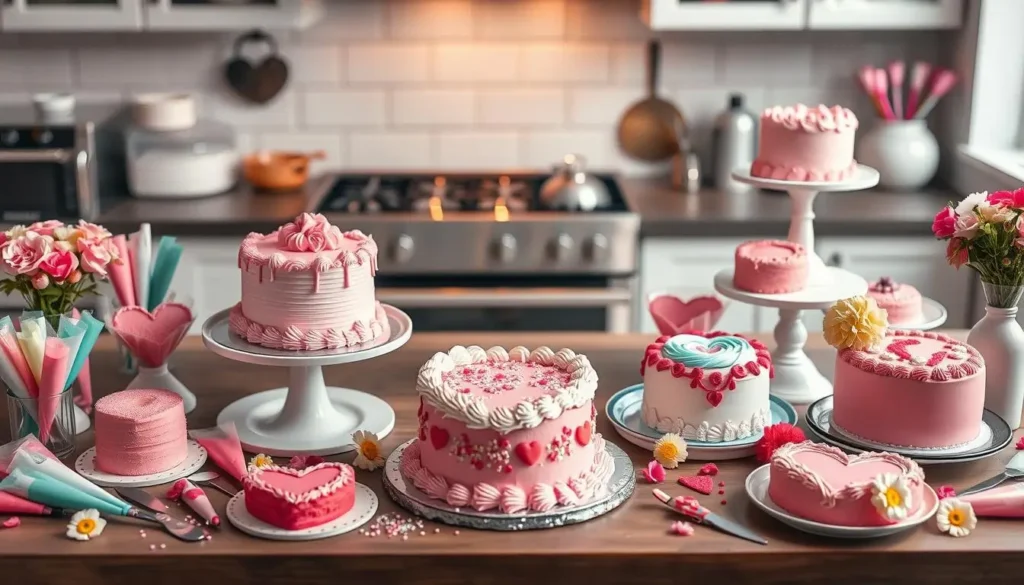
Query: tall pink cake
{"x": 308, "y": 286}
{"x": 140, "y": 432}
{"x": 822, "y": 484}
{"x": 798, "y": 143}
{"x": 918, "y": 389}
{"x": 770, "y": 267}
{"x": 508, "y": 430}
{"x": 902, "y": 303}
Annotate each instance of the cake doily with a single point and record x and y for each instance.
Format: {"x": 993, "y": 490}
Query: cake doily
{"x": 85, "y": 465}
{"x": 362, "y": 511}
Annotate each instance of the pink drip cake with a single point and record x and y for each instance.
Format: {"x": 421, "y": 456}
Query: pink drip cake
{"x": 798, "y": 143}
{"x": 296, "y": 499}
{"x": 509, "y": 430}
{"x": 902, "y": 303}
{"x": 770, "y": 267}
{"x": 308, "y": 286}
{"x": 140, "y": 432}
{"x": 708, "y": 387}
{"x": 822, "y": 484}
{"x": 918, "y": 389}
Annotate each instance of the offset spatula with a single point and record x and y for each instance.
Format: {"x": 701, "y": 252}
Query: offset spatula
{"x": 176, "y": 528}
{"x": 1014, "y": 470}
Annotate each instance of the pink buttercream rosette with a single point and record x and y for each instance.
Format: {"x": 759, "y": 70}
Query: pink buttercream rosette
{"x": 309, "y": 233}
{"x": 152, "y": 336}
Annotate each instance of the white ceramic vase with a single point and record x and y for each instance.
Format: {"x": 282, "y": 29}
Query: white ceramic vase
{"x": 904, "y": 152}
{"x": 161, "y": 377}
{"x": 999, "y": 339}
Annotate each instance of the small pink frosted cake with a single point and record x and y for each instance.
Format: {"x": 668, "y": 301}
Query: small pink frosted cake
{"x": 140, "y": 432}
{"x": 822, "y": 484}
{"x": 709, "y": 387}
{"x": 508, "y": 430}
{"x": 308, "y": 286}
{"x": 770, "y": 267}
{"x": 798, "y": 143}
{"x": 902, "y": 303}
{"x": 920, "y": 389}
{"x": 296, "y": 499}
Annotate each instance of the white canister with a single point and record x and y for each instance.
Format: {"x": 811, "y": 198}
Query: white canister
{"x": 905, "y": 153}
{"x": 164, "y": 111}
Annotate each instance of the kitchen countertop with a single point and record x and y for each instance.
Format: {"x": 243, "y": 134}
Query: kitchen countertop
{"x": 663, "y": 212}
{"x": 630, "y": 544}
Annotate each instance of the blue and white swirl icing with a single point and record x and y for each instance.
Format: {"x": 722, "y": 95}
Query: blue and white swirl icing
{"x": 715, "y": 353}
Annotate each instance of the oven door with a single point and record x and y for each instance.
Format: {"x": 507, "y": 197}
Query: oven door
{"x": 41, "y": 184}
{"x": 522, "y": 307}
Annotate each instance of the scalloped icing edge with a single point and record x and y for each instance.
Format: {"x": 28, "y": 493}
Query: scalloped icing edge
{"x": 346, "y": 476}
{"x": 526, "y": 414}
{"x": 783, "y": 460}
{"x": 705, "y": 432}
{"x": 250, "y": 255}
{"x": 512, "y": 499}
{"x": 295, "y": 339}
{"x": 766, "y": 170}
{"x": 873, "y": 364}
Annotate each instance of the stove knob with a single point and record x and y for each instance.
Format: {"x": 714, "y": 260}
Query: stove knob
{"x": 562, "y": 247}
{"x": 597, "y": 248}
{"x": 404, "y": 249}
{"x": 505, "y": 248}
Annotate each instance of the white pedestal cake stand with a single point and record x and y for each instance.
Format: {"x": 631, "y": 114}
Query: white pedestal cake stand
{"x": 307, "y": 417}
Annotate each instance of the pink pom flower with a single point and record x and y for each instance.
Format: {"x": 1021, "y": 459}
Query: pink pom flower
{"x": 654, "y": 472}
{"x": 91, "y": 231}
{"x": 681, "y": 528}
{"x": 309, "y": 233}
{"x": 1020, "y": 444}
{"x": 96, "y": 255}
{"x": 946, "y": 491}
{"x": 45, "y": 228}
{"x": 944, "y": 223}
{"x": 24, "y": 255}
{"x": 304, "y": 461}
{"x": 40, "y": 280}
{"x": 59, "y": 264}
{"x": 1008, "y": 198}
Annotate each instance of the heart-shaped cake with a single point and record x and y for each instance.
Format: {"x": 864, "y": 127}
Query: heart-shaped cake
{"x": 821, "y": 483}
{"x": 295, "y": 499}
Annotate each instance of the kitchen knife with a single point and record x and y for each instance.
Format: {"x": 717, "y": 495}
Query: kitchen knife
{"x": 691, "y": 508}
{"x": 1014, "y": 470}
{"x": 142, "y": 498}
{"x": 176, "y": 528}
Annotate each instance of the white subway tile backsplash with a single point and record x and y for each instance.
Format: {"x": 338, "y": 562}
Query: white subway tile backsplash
{"x": 600, "y": 106}
{"x": 478, "y": 151}
{"x": 147, "y": 67}
{"x": 314, "y": 65}
{"x": 543, "y": 148}
{"x": 279, "y": 113}
{"x": 388, "y": 62}
{"x": 605, "y": 19}
{"x": 432, "y": 107}
{"x": 347, "y": 21}
{"x": 565, "y": 63}
{"x": 775, "y": 64}
{"x": 521, "y": 107}
{"x": 44, "y": 69}
{"x": 682, "y": 64}
{"x": 344, "y": 108}
{"x": 476, "y": 62}
{"x": 332, "y": 145}
{"x": 394, "y": 150}
{"x": 520, "y": 20}
{"x": 432, "y": 19}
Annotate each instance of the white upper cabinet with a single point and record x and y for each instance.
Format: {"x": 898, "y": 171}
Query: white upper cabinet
{"x": 727, "y": 15}
{"x": 50, "y": 15}
{"x": 885, "y": 14}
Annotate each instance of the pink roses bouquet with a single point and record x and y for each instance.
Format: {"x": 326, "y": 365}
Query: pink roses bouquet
{"x": 53, "y": 265}
{"x": 986, "y": 233}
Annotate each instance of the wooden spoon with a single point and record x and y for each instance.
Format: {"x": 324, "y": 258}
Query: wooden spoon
{"x": 647, "y": 131}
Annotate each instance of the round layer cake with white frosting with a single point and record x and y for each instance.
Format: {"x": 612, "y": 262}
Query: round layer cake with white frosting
{"x": 308, "y": 286}
{"x": 710, "y": 387}
{"x": 511, "y": 430}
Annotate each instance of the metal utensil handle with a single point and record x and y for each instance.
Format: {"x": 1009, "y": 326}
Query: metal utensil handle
{"x": 218, "y": 487}
{"x": 653, "y": 66}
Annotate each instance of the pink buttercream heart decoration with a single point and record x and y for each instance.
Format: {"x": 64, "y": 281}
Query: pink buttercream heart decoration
{"x": 672, "y": 315}
{"x": 297, "y": 481}
{"x": 151, "y": 337}
{"x": 702, "y": 484}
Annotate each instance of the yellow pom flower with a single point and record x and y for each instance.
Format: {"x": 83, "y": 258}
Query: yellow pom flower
{"x": 856, "y": 323}
{"x": 670, "y": 450}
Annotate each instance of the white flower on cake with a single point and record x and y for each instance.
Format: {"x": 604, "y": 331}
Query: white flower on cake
{"x": 86, "y": 525}
{"x": 969, "y": 203}
{"x": 368, "y": 451}
{"x": 956, "y": 517}
{"x": 670, "y": 450}
{"x": 261, "y": 461}
{"x": 890, "y": 495}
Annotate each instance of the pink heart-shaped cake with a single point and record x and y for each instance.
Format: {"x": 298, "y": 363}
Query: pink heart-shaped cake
{"x": 673, "y": 315}
{"x": 296, "y": 499}
{"x": 821, "y": 483}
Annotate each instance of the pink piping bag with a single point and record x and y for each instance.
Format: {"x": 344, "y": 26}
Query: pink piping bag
{"x": 1002, "y": 502}
{"x": 121, "y": 273}
{"x": 51, "y": 383}
{"x": 222, "y": 445}
{"x": 195, "y": 498}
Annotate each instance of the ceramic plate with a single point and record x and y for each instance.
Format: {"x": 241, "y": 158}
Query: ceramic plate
{"x": 85, "y": 465}
{"x": 362, "y": 510}
{"x": 995, "y": 435}
{"x": 757, "y": 490}
{"x": 623, "y": 410}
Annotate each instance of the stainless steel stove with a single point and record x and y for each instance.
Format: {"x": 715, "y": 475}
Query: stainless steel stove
{"x": 482, "y": 252}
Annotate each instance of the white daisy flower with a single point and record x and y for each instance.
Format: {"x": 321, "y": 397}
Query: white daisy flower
{"x": 890, "y": 495}
{"x": 956, "y": 517}
{"x": 86, "y": 525}
{"x": 369, "y": 456}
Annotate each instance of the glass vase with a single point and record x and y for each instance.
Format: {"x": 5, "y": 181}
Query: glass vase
{"x": 999, "y": 339}
{"x": 23, "y": 412}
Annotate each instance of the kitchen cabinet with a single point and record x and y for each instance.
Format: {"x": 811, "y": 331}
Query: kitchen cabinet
{"x": 162, "y": 15}
{"x": 884, "y": 14}
{"x": 208, "y": 274}
{"x": 729, "y": 15}
{"x": 686, "y": 267}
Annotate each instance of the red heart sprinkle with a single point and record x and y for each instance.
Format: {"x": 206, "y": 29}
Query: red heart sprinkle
{"x": 438, "y": 437}
{"x": 708, "y": 469}
{"x": 701, "y": 484}
{"x": 714, "y": 398}
{"x": 529, "y": 453}
{"x": 583, "y": 433}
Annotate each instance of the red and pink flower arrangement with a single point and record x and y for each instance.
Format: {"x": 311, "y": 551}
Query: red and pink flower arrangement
{"x": 985, "y": 232}
{"x": 53, "y": 264}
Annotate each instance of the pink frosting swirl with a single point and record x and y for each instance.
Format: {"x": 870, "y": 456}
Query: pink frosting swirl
{"x": 458, "y": 495}
{"x": 436, "y": 487}
{"x": 817, "y": 119}
{"x": 565, "y": 495}
{"x": 309, "y": 233}
{"x": 294, "y": 338}
{"x": 485, "y": 497}
{"x": 542, "y": 497}
{"x": 513, "y": 500}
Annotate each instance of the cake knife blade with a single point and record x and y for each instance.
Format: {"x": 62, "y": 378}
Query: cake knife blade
{"x": 142, "y": 498}
{"x": 1014, "y": 469}
{"x": 692, "y": 509}
{"x": 176, "y": 528}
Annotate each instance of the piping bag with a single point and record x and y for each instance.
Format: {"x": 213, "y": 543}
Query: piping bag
{"x": 195, "y": 498}
{"x": 14, "y": 370}
{"x": 121, "y": 273}
{"x": 141, "y": 243}
{"x": 51, "y": 384}
{"x": 1002, "y": 502}
{"x": 45, "y": 490}
{"x": 222, "y": 445}
{"x": 79, "y": 367}
{"x": 165, "y": 263}
{"x": 32, "y": 339}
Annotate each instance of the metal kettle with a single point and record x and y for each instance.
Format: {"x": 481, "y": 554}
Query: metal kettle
{"x": 571, "y": 188}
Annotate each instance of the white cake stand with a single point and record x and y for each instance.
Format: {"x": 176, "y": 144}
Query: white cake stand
{"x": 797, "y": 380}
{"x": 801, "y": 218}
{"x": 307, "y": 417}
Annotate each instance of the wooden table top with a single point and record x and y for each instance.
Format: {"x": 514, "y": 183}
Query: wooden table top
{"x": 630, "y": 544}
